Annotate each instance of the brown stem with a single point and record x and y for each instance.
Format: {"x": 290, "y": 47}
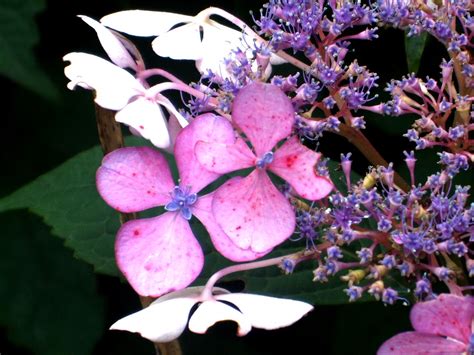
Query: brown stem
{"x": 111, "y": 138}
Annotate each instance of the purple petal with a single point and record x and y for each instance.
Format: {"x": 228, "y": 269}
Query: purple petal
{"x": 265, "y": 114}
{"x": 134, "y": 179}
{"x": 203, "y": 211}
{"x": 420, "y": 343}
{"x": 207, "y": 128}
{"x": 253, "y": 213}
{"x": 158, "y": 255}
{"x": 295, "y": 163}
{"x": 447, "y": 315}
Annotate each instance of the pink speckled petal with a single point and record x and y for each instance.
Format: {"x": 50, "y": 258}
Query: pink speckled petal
{"x": 264, "y": 113}
{"x": 253, "y": 213}
{"x": 158, "y": 255}
{"x": 203, "y": 211}
{"x": 211, "y": 312}
{"x": 414, "y": 343}
{"x": 134, "y": 179}
{"x": 220, "y": 151}
{"x": 207, "y": 128}
{"x": 295, "y": 163}
{"x": 267, "y": 312}
{"x": 447, "y": 315}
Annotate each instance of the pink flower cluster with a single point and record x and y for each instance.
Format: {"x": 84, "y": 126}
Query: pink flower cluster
{"x": 246, "y": 217}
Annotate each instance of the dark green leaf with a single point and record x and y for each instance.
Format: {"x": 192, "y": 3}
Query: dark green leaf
{"x": 48, "y": 300}
{"x": 18, "y": 36}
{"x": 67, "y": 199}
{"x": 414, "y": 47}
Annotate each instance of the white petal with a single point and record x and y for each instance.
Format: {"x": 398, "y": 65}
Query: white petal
{"x": 268, "y": 312}
{"x": 160, "y": 322}
{"x": 147, "y": 118}
{"x": 143, "y": 23}
{"x": 183, "y": 42}
{"x": 211, "y": 312}
{"x": 276, "y": 60}
{"x": 189, "y": 292}
{"x": 163, "y": 101}
{"x": 217, "y": 43}
{"x": 111, "y": 44}
{"x": 113, "y": 85}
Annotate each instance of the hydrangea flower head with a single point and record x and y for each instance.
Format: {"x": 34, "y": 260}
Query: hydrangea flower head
{"x": 160, "y": 254}
{"x": 442, "y": 326}
{"x": 166, "y": 318}
{"x": 250, "y": 210}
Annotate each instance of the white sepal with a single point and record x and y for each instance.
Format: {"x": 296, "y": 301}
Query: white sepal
{"x": 211, "y": 312}
{"x": 144, "y": 23}
{"x": 112, "y": 45}
{"x": 267, "y": 312}
{"x": 114, "y": 86}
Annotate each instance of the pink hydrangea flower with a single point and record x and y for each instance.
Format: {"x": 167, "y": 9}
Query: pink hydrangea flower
{"x": 160, "y": 254}
{"x": 167, "y": 317}
{"x": 251, "y": 210}
{"x": 442, "y": 326}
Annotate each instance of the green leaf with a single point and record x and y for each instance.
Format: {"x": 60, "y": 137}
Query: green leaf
{"x": 414, "y": 47}
{"x": 18, "y": 36}
{"x": 67, "y": 199}
{"x": 48, "y": 300}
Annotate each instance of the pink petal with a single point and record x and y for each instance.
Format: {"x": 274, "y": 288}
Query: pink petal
{"x": 134, "y": 179}
{"x": 253, "y": 213}
{"x": 420, "y": 343}
{"x": 207, "y": 128}
{"x": 267, "y": 312}
{"x": 203, "y": 211}
{"x": 295, "y": 163}
{"x": 264, "y": 113}
{"x": 211, "y": 312}
{"x": 158, "y": 255}
{"x": 447, "y": 315}
{"x": 147, "y": 119}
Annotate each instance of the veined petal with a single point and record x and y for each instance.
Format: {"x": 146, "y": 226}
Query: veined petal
{"x": 268, "y": 312}
{"x": 111, "y": 44}
{"x": 420, "y": 343}
{"x": 158, "y": 255}
{"x": 264, "y": 113}
{"x": 203, "y": 211}
{"x": 295, "y": 163}
{"x": 114, "y": 86}
{"x": 147, "y": 118}
{"x": 211, "y": 312}
{"x": 160, "y": 322}
{"x": 143, "y": 23}
{"x": 253, "y": 213}
{"x": 448, "y": 315}
{"x": 207, "y": 128}
{"x": 134, "y": 179}
{"x": 183, "y": 42}
{"x": 223, "y": 158}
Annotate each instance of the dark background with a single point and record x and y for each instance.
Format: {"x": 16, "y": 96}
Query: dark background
{"x": 39, "y": 134}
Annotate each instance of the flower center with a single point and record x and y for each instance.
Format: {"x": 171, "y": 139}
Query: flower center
{"x": 182, "y": 200}
{"x": 266, "y": 159}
